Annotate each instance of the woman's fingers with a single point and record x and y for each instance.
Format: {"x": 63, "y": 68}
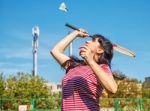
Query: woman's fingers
{"x": 84, "y": 51}
{"x": 83, "y": 54}
{"x": 83, "y": 33}
{"x": 84, "y": 47}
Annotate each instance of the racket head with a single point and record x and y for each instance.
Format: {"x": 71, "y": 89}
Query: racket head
{"x": 123, "y": 50}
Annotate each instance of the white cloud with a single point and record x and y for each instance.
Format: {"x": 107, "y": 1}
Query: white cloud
{"x": 13, "y": 70}
{"x": 44, "y": 53}
{"x": 10, "y": 67}
{"x": 20, "y": 35}
{"x": 9, "y": 53}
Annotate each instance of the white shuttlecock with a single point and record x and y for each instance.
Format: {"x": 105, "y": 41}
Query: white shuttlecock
{"x": 63, "y": 7}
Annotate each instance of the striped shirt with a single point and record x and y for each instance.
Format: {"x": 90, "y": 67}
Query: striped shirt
{"x": 81, "y": 89}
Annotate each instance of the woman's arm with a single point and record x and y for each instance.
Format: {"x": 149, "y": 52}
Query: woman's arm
{"x": 57, "y": 51}
{"x": 105, "y": 79}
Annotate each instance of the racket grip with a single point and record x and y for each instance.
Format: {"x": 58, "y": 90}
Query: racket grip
{"x": 75, "y": 28}
{"x": 72, "y": 27}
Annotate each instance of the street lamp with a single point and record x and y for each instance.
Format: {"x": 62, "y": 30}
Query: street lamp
{"x": 35, "y": 34}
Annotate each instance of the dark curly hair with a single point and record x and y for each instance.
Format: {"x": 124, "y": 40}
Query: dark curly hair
{"x": 105, "y": 58}
{"x": 107, "y": 46}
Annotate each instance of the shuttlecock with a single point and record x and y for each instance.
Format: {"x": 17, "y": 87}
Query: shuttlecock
{"x": 63, "y": 7}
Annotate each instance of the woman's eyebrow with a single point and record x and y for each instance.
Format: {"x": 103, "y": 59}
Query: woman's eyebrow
{"x": 94, "y": 39}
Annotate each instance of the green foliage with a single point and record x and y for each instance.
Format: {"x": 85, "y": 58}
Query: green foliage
{"x": 145, "y": 93}
{"x": 24, "y": 85}
{"x": 2, "y": 84}
{"x": 107, "y": 102}
{"x": 21, "y": 87}
{"x": 127, "y": 88}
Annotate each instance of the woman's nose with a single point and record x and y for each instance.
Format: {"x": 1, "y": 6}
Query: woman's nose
{"x": 87, "y": 42}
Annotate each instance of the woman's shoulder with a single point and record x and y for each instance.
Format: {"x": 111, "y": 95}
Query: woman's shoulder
{"x": 73, "y": 62}
{"x": 106, "y": 68}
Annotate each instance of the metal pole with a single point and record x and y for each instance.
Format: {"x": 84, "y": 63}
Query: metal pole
{"x": 33, "y": 104}
{"x": 35, "y": 33}
{"x": 140, "y": 104}
{"x": 116, "y": 104}
{"x": 35, "y": 48}
{"x": 70, "y": 49}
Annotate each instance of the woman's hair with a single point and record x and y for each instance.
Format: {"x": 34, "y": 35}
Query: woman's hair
{"x": 107, "y": 46}
{"x": 105, "y": 58}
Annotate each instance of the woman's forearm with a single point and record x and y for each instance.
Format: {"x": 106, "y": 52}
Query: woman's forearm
{"x": 62, "y": 45}
{"x": 106, "y": 80}
{"x": 57, "y": 51}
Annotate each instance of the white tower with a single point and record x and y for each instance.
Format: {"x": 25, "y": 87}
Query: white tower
{"x": 71, "y": 49}
{"x": 35, "y": 33}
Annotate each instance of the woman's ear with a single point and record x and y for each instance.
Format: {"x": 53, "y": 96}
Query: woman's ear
{"x": 100, "y": 50}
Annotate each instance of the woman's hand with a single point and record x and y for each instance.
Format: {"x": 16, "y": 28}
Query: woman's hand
{"x": 86, "y": 53}
{"x": 81, "y": 33}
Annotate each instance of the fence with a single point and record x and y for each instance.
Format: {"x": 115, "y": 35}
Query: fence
{"x": 53, "y": 104}
{"x": 132, "y": 104}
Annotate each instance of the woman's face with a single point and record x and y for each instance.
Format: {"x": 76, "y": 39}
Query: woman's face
{"x": 94, "y": 45}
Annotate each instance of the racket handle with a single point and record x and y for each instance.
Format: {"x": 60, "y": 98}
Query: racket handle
{"x": 72, "y": 27}
{"x": 75, "y": 28}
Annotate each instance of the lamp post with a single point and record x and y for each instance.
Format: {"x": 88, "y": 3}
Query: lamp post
{"x": 35, "y": 34}
{"x": 71, "y": 49}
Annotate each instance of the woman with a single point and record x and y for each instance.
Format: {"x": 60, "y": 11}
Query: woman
{"x": 85, "y": 79}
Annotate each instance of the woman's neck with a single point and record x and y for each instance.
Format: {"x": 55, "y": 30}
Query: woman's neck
{"x": 96, "y": 58}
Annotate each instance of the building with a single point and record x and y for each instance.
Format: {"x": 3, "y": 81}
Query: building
{"x": 146, "y": 83}
{"x": 54, "y": 87}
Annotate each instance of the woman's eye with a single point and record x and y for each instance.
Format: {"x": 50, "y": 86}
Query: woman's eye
{"x": 93, "y": 39}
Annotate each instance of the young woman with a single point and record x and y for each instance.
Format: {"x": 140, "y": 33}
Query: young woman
{"x": 85, "y": 79}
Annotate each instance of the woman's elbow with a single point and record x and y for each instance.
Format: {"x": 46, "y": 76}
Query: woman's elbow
{"x": 56, "y": 50}
{"x": 114, "y": 89}
{"x": 53, "y": 51}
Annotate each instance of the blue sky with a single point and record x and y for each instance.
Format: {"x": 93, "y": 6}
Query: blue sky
{"x": 124, "y": 22}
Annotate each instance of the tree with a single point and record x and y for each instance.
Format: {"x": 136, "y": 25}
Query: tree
{"x": 145, "y": 92}
{"x": 128, "y": 88}
{"x": 2, "y": 88}
{"x": 23, "y": 85}
{"x": 21, "y": 88}
{"x": 2, "y": 84}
